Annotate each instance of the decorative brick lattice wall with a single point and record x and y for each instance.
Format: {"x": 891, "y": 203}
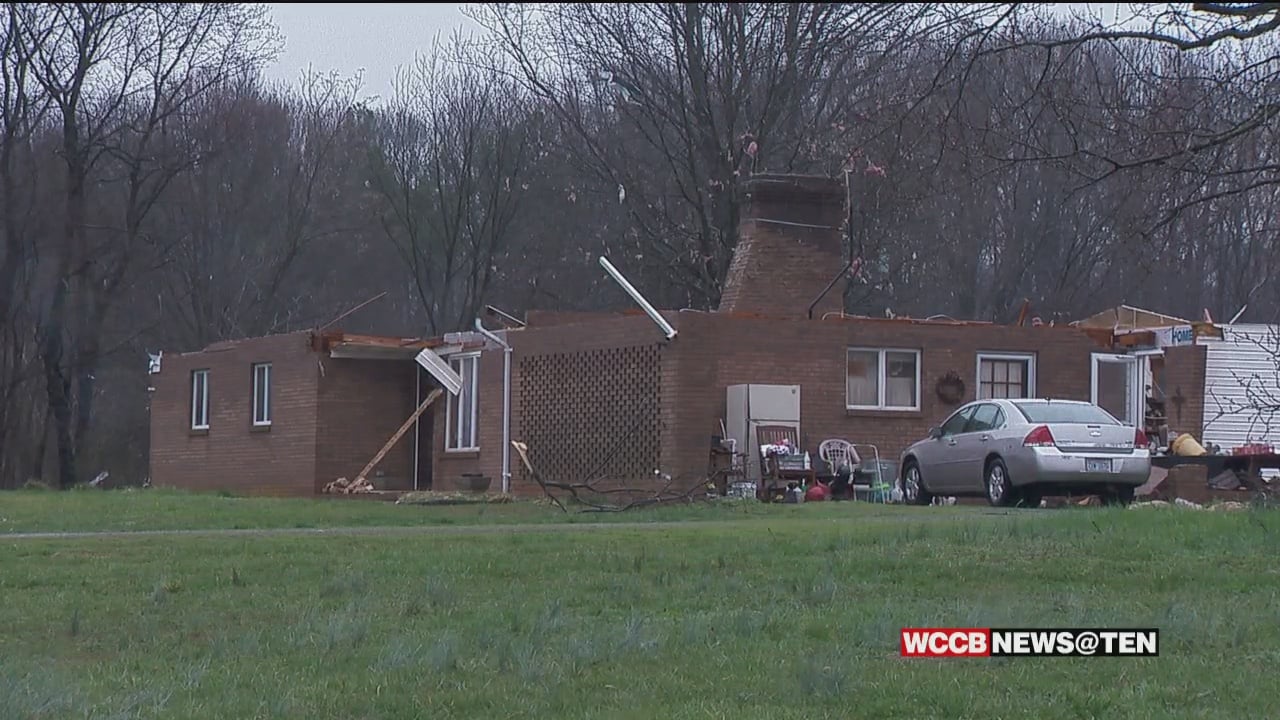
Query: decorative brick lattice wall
{"x": 592, "y": 414}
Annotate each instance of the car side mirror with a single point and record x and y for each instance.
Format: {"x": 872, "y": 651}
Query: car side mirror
{"x": 935, "y": 433}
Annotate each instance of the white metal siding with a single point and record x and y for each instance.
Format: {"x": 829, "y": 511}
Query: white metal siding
{"x": 1242, "y": 370}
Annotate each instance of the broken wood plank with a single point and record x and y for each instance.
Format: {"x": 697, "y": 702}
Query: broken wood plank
{"x": 399, "y": 434}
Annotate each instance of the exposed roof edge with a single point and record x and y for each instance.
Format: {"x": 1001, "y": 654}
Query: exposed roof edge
{"x": 383, "y": 347}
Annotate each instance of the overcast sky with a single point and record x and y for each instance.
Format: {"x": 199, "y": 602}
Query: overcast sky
{"x": 347, "y": 37}
{"x": 379, "y": 37}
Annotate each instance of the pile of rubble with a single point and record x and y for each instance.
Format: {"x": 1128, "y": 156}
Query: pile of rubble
{"x": 342, "y": 486}
{"x": 1225, "y": 506}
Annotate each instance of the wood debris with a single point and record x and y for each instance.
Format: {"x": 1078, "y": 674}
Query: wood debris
{"x": 343, "y": 486}
{"x": 404, "y": 428}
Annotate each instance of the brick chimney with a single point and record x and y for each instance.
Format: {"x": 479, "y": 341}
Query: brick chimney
{"x": 789, "y": 247}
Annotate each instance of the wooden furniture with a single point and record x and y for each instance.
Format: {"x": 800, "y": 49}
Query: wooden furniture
{"x": 724, "y": 469}
{"x": 773, "y": 478}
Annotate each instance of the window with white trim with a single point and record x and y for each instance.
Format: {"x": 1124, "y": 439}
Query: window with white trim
{"x": 882, "y": 379}
{"x": 262, "y": 394}
{"x": 199, "y": 399}
{"x": 460, "y": 419}
{"x": 1006, "y": 375}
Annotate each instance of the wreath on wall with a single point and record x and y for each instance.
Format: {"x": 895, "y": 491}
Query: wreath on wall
{"x": 950, "y": 388}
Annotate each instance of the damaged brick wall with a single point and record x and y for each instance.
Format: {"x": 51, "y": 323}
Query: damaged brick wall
{"x": 556, "y": 385}
{"x": 232, "y": 454}
{"x": 593, "y": 414}
{"x": 790, "y": 246}
{"x": 361, "y": 404}
{"x": 714, "y": 351}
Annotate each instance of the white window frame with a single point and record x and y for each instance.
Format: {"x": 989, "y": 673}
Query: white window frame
{"x": 472, "y": 382}
{"x": 200, "y": 400}
{"x": 258, "y": 411}
{"x": 882, "y": 381}
{"x": 1029, "y": 358}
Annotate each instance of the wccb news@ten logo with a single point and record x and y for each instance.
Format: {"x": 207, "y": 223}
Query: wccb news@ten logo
{"x": 1023, "y": 642}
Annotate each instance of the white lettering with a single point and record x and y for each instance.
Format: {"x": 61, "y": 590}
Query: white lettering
{"x": 1146, "y": 642}
{"x": 938, "y": 642}
{"x": 978, "y": 643}
{"x": 1111, "y": 638}
{"x": 915, "y": 642}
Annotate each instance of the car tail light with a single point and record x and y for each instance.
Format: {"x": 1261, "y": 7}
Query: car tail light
{"x": 1140, "y": 438}
{"x": 1040, "y": 437}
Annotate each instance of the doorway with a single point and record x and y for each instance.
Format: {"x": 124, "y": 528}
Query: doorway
{"x": 1116, "y": 386}
{"x": 424, "y": 431}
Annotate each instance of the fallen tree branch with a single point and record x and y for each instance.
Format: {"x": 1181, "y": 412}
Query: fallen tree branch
{"x": 588, "y": 493}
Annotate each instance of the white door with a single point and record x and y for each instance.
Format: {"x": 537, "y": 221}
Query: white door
{"x": 1116, "y": 386}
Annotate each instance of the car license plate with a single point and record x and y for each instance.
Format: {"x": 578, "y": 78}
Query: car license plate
{"x": 1098, "y": 466}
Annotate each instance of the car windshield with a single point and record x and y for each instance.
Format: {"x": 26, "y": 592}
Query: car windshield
{"x": 1051, "y": 412}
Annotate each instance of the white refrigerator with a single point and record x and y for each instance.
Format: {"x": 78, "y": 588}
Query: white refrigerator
{"x": 747, "y": 407}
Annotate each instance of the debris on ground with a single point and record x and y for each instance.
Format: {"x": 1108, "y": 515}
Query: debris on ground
{"x": 1225, "y": 506}
{"x": 428, "y": 497}
{"x": 1151, "y": 488}
{"x": 342, "y": 486}
{"x": 1227, "y": 480}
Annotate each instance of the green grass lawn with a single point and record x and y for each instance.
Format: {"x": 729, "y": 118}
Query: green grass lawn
{"x": 90, "y": 510}
{"x": 792, "y": 613}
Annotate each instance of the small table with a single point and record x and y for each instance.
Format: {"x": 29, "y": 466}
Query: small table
{"x": 724, "y": 469}
{"x": 776, "y": 478}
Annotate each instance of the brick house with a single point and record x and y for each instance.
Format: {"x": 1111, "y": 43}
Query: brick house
{"x": 273, "y": 416}
{"x": 604, "y": 394}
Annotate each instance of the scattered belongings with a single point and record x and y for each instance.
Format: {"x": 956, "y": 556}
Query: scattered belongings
{"x": 1187, "y": 504}
{"x": 1149, "y": 504}
{"x": 1186, "y": 446}
{"x": 1227, "y": 480}
{"x": 1229, "y": 506}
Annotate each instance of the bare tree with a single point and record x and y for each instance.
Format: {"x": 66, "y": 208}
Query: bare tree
{"x": 668, "y": 105}
{"x": 22, "y": 115}
{"x": 266, "y": 188}
{"x": 449, "y": 163}
{"x": 116, "y": 74}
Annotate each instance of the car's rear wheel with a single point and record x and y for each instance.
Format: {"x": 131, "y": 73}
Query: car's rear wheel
{"x": 913, "y": 491}
{"x": 1121, "y": 495}
{"x": 999, "y": 489}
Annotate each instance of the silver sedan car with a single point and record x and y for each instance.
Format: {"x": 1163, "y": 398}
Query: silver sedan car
{"x": 1016, "y": 451}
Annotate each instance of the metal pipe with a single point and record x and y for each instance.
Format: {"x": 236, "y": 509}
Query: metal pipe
{"x": 417, "y": 400}
{"x": 653, "y": 314}
{"x": 506, "y": 404}
{"x": 788, "y": 223}
{"x": 505, "y": 316}
{"x": 845, "y": 270}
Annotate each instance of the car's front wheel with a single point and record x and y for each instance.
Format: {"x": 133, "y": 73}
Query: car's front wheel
{"x": 913, "y": 491}
{"x": 999, "y": 489}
